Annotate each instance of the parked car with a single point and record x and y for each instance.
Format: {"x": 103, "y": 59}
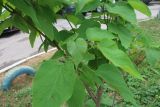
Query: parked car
{"x": 147, "y": 1}
{"x": 10, "y": 30}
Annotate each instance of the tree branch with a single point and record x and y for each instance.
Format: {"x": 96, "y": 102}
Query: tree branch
{"x": 98, "y": 96}
{"x": 114, "y": 97}
{"x": 11, "y": 10}
{"x": 70, "y": 24}
{"x": 91, "y": 94}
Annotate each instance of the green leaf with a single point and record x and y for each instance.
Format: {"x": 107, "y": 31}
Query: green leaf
{"x": 87, "y": 58}
{"x": 0, "y": 9}
{"x": 32, "y": 37}
{"x": 81, "y": 4}
{"x": 97, "y": 34}
{"x": 74, "y": 19}
{"x": 140, "y": 6}
{"x": 89, "y": 76}
{"x": 45, "y": 18}
{"x": 46, "y": 45}
{"x": 88, "y": 23}
{"x": 123, "y": 10}
{"x": 153, "y": 55}
{"x": 63, "y": 35}
{"x": 78, "y": 96}
{"x": 123, "y": 33}
{"x": 77, "y": 49}
{"x": 53, "y": 84}
{"x": 58, "y": 54}
{"x": 113, "y": 77}
{"x": 5, "y": 24}
{"x": 50, "y": 3}
{"x": 91, "y": 5}
{"x": 25, "y": 7}
{"x": 19, "y": 23}
{"x": 5, "y": 14}
{"x": 106, "y": 100}
{"x": 110, "y": 50}
{"x": 90, "y": 103}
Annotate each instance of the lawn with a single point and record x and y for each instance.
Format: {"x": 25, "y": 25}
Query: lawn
{"x": 147, "y": 93}
{"x": 152, "y": 28}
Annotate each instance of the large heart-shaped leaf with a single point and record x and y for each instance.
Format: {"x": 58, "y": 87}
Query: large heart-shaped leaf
{"x": 123, "y": 10}
{"x": 97, "y": 34}
{"x": 123, "y": 33}
{"x": 77, "y": 49}
{"x": 110, "y": 50}
{"x": 88, "y": 23}
{"x": 45, "y": 19}
{"x": 78, "y": 96}
{"x": 19, "y": 23}
{"x": 113, "y": 77}
{"x": 53, "y": 84}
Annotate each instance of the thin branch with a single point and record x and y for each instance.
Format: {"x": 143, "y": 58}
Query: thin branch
{"x": 91, "y": 94}
{"x": 52, "y": 43}
{"x": 7, "y": 8}
{"x": 41, "y": 38}
{"x": 114, "y": 98}
{"x": 70, "y": 24}
{"x": 98, "y": 96}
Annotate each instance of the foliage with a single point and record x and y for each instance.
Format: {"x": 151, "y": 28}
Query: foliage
{"x": 89, "y": 60}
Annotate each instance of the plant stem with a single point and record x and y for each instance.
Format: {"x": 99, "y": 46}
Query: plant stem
{"x": 114, "y": 97}
{"x": 91, "y": 94}
{"x": 98, "y": 96}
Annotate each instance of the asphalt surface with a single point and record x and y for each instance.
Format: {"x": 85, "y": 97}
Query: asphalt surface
{"x": 16, "y": 47}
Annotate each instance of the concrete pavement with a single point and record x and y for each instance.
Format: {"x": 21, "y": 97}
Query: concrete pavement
{"x": 17, "y": 46}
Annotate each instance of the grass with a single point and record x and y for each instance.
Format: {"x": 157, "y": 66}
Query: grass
{"x": 152, "y": 28}
{"x": 146, "y": 93}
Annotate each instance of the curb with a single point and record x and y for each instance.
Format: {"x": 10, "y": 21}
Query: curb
{"x": 24, "y": 60}
{"x": 142, "y": 20}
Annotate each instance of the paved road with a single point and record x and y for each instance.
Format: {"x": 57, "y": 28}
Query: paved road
{"x": 17, "y": 47}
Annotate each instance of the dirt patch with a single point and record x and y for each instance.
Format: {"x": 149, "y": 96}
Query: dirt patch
{"x": 20, "y": 93}
{"x": 35, "y": 63}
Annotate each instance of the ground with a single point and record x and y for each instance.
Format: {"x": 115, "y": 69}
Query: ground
{"x": 20, "y": 93}
{"x": 152, "y": 28}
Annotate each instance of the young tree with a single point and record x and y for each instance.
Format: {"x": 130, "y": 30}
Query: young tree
{"x": 89, "y": 59}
